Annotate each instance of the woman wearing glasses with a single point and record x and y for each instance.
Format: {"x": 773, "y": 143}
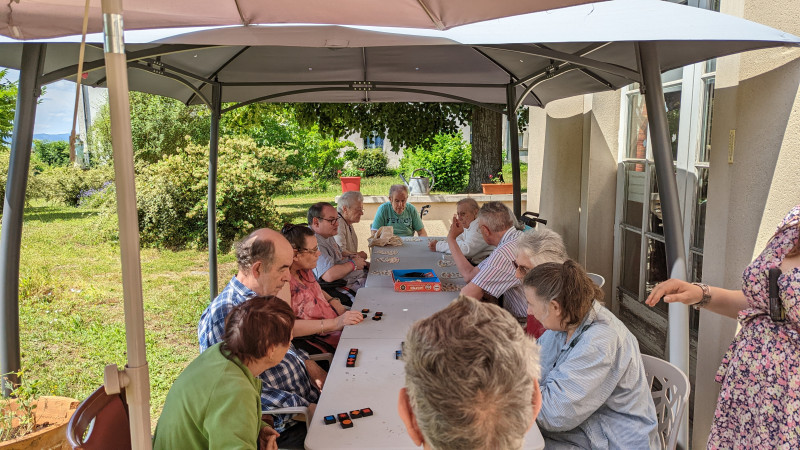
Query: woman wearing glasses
{"x": 320, "y": 316}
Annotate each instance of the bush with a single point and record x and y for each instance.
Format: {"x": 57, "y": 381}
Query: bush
{"x": 34, "y": 188}
{"x": 172, "y": 194}
{"x": 448, "y": 159}
{"x": 52, "y": 153}
{"x": 372, "y": 160}
{"x": 69, "y": 185}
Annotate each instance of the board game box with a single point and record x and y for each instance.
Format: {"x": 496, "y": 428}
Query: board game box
{"x": 416, "y": 280}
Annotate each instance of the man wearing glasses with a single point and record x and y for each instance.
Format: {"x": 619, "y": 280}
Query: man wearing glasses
{"x": 338, "y": 275}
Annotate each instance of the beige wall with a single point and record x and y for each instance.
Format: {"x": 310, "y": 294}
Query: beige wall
{"x": 757, "y": 96}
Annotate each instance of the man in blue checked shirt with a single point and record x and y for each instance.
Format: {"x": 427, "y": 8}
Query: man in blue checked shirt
{"x": 264, "y": 258}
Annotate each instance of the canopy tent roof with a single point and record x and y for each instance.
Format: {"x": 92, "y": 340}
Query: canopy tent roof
{"x": 35, "y": 19}
{"x": 547, "y": 56}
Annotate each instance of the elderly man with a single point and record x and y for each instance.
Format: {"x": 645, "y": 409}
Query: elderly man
{"x": 471, "y": 242}
{"x": 350, "y": 208}
{"x": 264, "y": 257}
{"x": 461, "y": 392}
{"x": 533, "y": 248}
{"x": 402, "y": 216}
{"x": 339, "y": 275}
{"x": 493, "y": 279}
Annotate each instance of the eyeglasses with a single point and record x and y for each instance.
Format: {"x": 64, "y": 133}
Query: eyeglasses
{"x": 308, "y": 250}
{"x": 520, "y": 267}
{"x": 332, "y": 221}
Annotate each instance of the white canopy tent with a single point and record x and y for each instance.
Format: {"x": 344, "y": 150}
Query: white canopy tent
{"x": 529, "y": 59}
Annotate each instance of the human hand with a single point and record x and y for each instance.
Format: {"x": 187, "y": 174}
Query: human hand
{"x": 315, "y": 373}
{"x": 337, "y": 306}
{"x": 456, "y": 228}
{"x": 359, "y": 262}
{"x": 362, "y": 255}
{"x": 673, "y": 290}
{"x": 267, "y": 439}
{"x": 348, "y": 318}
{"x": 432, "y": 244}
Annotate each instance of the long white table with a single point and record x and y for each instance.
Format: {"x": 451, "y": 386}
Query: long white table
{"x": 377, "y": 377}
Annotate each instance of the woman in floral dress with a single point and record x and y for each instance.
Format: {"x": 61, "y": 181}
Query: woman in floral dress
{"x": 759, "y": 402}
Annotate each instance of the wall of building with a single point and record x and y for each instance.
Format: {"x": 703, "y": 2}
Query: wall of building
{"x": 757, "y": 96}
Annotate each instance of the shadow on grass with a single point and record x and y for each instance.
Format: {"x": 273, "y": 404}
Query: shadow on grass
{"x": 51, "y": 214}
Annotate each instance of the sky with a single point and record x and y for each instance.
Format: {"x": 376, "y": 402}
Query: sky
{"x": 54, "y": 113}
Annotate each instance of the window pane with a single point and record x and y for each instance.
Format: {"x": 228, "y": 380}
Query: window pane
{"x": 711, "y": 66}
{"x": 672, "y": 98}
{"x": 656, "y": 270}
{"x": 631, "y": 250}
{"x": 696, "y": 274}
{"x": 637, "y": 127}
{"x": 704, "y": 152}
{"x": 698, "y": 232}
{"x": 655, "y": 218}
{"x": 634, "y": 194}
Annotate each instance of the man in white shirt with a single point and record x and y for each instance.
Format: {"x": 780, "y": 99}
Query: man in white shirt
{"x": 471, "y": 242}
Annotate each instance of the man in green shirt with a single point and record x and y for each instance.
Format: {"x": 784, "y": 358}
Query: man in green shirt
{"x": 402, "y": 216}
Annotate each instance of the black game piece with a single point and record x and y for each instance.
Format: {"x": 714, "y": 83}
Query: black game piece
{"x": 365, "y": 310}
{"x": 351, "y": 357}
{"x": 378, "y": 313}
{"x": 355, "y": 414}
{"x": 346, "y": 423}
{"x": 364, "y": 315}
{"x": 366, "y": 412}
{"x": 376, "y": 318}
{"x": 398, "y": 354}
{"x": 329, "y": 420}
{"x": 342, "y": 416}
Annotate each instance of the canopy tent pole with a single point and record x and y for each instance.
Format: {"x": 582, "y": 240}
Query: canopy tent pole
{"x": 213, "y": 153}
{"x": 513, "y": 137}
{"x": 13, "y": 208}
{"x": 670, "y": 209}
{"x": 135, "y": 377}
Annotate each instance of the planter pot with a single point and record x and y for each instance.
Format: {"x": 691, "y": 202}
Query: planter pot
{"x": 500, "y": 188}
{"x": 351, "y": 183}
{"x": 54, "y": 410}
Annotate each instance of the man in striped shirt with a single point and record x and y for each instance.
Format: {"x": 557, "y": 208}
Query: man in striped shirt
{"x": 494, "y": 278}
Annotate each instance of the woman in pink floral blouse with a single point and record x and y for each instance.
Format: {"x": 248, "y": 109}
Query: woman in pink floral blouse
{"x": 320, "y": 317}
{"x": 759, "y": 402}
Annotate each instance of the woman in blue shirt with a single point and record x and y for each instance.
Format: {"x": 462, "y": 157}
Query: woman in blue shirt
{"x": 594, "y": 390}
{"x": 401, "y": 216}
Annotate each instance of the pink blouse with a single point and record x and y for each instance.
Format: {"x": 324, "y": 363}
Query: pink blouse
{"x": 308, "y": 302}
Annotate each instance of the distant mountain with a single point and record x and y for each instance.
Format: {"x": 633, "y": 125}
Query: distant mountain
{"x": 51, "y": 137}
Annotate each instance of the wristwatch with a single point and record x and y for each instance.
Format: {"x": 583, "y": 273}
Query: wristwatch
{"x": 706, "y": 296}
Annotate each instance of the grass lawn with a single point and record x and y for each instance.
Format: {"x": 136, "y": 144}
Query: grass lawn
{"x": 71, "y": 308}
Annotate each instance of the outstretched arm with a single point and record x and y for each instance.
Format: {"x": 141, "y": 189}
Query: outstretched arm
{"x": 725, "y": 302}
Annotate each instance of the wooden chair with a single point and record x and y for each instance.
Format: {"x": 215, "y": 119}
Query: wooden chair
{"x": 100, "y": 422}
{"x": 670, "y": 389}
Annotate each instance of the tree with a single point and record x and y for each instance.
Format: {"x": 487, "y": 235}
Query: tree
{"x": 52, "y": 153}
{"x": 414, "y": 125}
{"x": 8, "y": 104}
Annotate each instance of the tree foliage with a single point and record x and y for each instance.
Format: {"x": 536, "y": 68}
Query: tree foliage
{"x": 405, "y": 124}
{"x": 448, "y": 158}
{"x": 8, "y": 104}
{"x": 52, "y": 153}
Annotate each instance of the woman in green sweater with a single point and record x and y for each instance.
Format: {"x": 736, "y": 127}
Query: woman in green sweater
{"x": 207, "y": 406}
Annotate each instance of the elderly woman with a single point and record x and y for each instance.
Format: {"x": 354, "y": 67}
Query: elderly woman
{"x": 533, "y": 248}
{"x": 594, "y": 390}
{"x": 350, "y": 209}
{"x": 402, "y": 216}
{"x": 470, "y": 241}
{"x": 320, "y": 317}
{"x": 216, "y": 400}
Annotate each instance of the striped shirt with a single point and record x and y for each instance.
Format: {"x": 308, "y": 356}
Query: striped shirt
{"x": 284, "y": 385}
{"x": 497, "y": 275}
{"x": 594, "y": 390}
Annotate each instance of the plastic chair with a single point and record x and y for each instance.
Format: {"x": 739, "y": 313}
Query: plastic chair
{"x": 597, "y": 279}
{"x": 100, "y": 422}
{"x": 670, "y": 389}
{"x": 300, "y": 409}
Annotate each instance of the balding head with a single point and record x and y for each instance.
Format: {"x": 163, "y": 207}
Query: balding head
{"x": 264, "y": 257}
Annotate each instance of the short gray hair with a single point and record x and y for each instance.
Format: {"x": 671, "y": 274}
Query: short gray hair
{"x": 470, "y": 371}
{"x": 470, "y": 202}
{"x": 349, "y": 199}
{"x": 496, "y": 216}
{"x": 397, "y": 187}
{"x": 542, "y": 246}
{"x": 251, "y": 249}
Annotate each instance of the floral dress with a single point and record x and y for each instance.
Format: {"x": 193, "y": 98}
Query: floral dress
{"x": 759, "y": 402}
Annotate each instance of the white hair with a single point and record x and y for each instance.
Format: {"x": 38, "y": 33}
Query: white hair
{"x": 349, "y": 200}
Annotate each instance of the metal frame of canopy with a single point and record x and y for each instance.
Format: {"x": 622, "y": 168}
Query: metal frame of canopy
{"x": 519, "y": 90}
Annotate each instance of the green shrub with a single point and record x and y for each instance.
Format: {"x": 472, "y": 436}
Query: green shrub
{"x": 34, "y": 187}
{"x": 69, "y": 185}
{"x": 172, "y": 194}
{"x": 372, "y": 160}
{"x": 448, "y": 159}
{"x": 52, "y": 153}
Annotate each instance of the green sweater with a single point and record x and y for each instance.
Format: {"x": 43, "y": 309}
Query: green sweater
{"x": 214, "y": 403}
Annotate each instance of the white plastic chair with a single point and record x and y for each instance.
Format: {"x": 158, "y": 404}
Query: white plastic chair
{"x": 300, "y": 409}
{"x": 597, "y": 279}
{"x": 670, "y": 389}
